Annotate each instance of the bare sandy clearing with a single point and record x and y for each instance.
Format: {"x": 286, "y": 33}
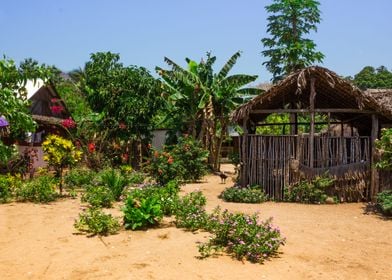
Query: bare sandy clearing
{"x": 323, "y": 242}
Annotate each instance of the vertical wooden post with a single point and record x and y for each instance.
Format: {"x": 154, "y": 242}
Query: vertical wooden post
{"x": 374, "y": 183}
{"x": 294, "y": 123}
{"x": 311, "y": 136}
{"x": 244, "y": 153}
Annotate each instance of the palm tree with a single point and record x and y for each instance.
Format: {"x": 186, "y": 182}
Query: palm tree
{"x": 202, "y": 101}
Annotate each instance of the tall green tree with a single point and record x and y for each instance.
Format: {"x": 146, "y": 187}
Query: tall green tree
{"x": 13, "y": 96}
{"x": 202, "y": 100}
{"x": 287, "y": 49}
{"x": 127, "y": 96}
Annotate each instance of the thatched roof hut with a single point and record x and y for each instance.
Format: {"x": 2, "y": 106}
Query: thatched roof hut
{"x": 333, "y": 92}
{"x": 276, "y": 161}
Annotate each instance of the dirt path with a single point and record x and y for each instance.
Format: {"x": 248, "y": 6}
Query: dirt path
{"x": 323, "y": 242}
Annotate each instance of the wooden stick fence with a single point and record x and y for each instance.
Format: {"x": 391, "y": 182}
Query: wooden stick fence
{"x": 274, "y": 162}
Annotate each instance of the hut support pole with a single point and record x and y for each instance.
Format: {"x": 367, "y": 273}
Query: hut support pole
{"x": 294, "y": 124}
{"x": 374, "y": 183}
{"x": 244, "y": 153}
{"x": 312, "y": 115}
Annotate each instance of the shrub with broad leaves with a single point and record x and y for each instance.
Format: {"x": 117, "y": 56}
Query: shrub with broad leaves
{"x": 384, "y": 202}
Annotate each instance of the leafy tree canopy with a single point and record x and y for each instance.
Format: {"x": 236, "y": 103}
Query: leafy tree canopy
{"x": 13, "y": 102}
{"x": 287, "y": 49}
{"x": 370, "y": 77}
{"x": 128, "y": 96}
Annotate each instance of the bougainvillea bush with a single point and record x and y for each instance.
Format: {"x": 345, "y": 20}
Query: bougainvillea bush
{"x": 243, "y": 236}
{"x": 185, "y": 161}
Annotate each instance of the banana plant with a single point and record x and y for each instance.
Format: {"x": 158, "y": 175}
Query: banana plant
{"x": 201, "y": 101}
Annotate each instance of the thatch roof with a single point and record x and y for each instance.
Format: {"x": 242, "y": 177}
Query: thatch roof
{"x": 382, "y": 96}
{"x": 332, "y": 91}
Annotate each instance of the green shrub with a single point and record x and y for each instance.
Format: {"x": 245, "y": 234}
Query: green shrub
{"x": 244, "y": 195}
{"x": 167, "y": 195}
{"x": 113, "y": 180}
{"x": 143, "y": 213}
{"x": 309, "y": 192}
{"x": 95, "y": 221}
{"x": 41, "y": 190}
{"x": 6, "y": 186}
{"x": 135, "y": 178}
{"x": 185, "y": 161}
{"x": 98, "y": 196}
{"x": 190, "y": 212}
{"x": 243, "y": 236}
{"x": 384, "y": 202}
{"x": 384, "y": 146}
{"x": 79, "y": 178}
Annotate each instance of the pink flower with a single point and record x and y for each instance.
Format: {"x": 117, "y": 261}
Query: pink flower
{"x": 68, "y": 123}
{"x": 56, "y": 109}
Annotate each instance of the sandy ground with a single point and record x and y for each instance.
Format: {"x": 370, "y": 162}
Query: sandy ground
{"x": 323, "y": 242}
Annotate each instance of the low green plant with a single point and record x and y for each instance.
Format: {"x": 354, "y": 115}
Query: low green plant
{"x": 6, "y": 186}
{"x": 96, "y": 222}
{"x": 243, "y": 236}
{"x": 190, "y": 212}
{"x": 142, "y": 213}
{"x": 135, "y": 178}
{"x": 384, "y": 202}
{"x": 98, "y": 196}
{"x": 167, "y": 195}
{"x": 384, "y": 146}
{"x": 78, "y": 178}
{"x": 253, "y": 194}
{"x": 314, "y": 191}
{"x": 114, "y": 180}
{"x": 40, "y": 190}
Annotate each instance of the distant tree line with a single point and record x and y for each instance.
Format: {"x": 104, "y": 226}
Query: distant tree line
{"x": 370, "y": 77}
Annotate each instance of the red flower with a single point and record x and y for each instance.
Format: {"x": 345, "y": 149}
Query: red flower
{"x": 56, "y": 109}
{"x": 125, "y": 157}
{"x": 149, "y": 146}
{"x": 156, "y": 154}
{"x": 68, "y": 123}
{"x": 122, "y": 125}
{"x": 91, "y": 147}
{"x": 170, "y": 160}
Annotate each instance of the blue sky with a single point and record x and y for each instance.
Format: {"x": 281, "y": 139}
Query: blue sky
{"x": 352, "y": 34}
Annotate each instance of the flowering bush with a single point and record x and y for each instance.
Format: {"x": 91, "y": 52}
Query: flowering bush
{"x": 243, "y": 236}
{"x": 185, "y": 161}
{"x": 60, "y": 153}
{"x": 244, "y": 195}
{"x": 190, "y": 212}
